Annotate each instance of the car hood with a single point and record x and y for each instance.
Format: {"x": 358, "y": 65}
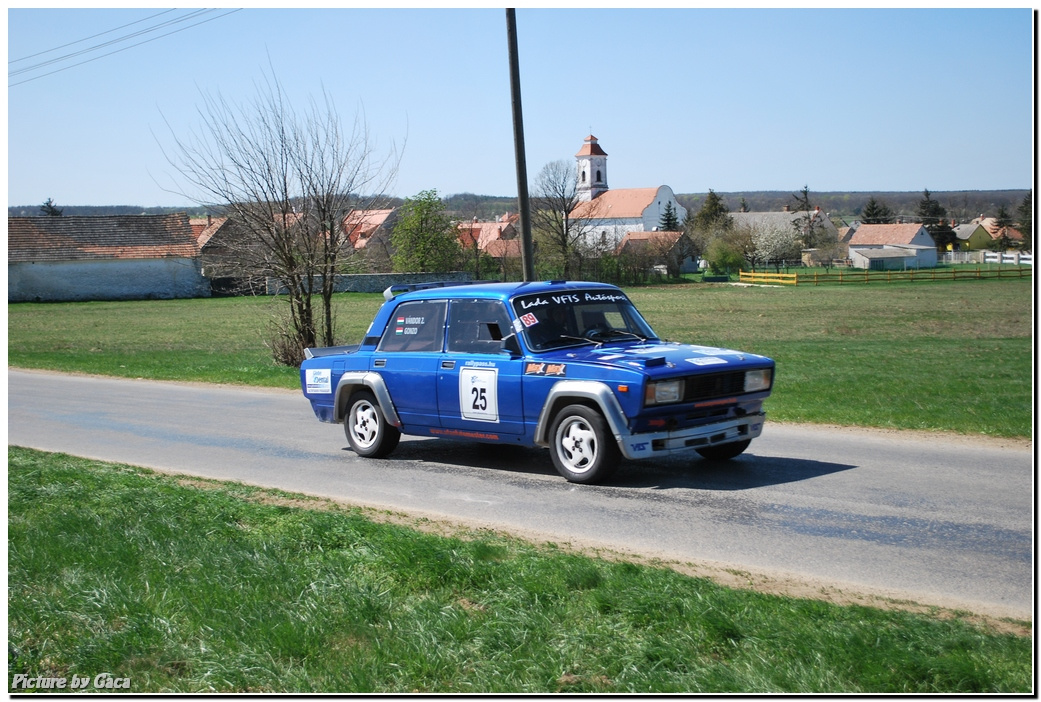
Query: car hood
{"x": 664, "y": 358}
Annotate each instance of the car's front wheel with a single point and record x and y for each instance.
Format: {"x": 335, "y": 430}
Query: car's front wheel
{"x": 582, "y": 447}
{"x": 367, "y": 429}
{"x": 724, "y": 452}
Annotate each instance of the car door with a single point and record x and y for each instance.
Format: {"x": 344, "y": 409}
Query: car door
{"x": 478, "y": 385}
{"x": 407, "y": 358}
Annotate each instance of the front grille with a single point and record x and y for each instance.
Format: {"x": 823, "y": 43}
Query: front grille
{"x": 707, "y": 387}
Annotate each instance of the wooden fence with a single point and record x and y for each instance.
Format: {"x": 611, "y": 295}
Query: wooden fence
{"x": 844, "y": 277}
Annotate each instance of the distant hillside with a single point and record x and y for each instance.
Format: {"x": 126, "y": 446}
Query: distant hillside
{"x": 960, "y": 204}
{"x": 841, "y": 206}
{"x": 106, "y": 210}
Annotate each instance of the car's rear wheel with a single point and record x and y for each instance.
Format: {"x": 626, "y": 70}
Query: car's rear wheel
{"x": 367, "y": 429}
{"x": 724, "y": 452}
{"x": 582, "y": 447}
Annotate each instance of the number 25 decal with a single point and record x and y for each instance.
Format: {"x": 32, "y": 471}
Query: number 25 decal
{"x": 480, "y": 398}
{"x": 479, "y": 394}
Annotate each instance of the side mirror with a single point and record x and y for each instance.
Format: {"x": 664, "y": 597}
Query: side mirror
{"x": 511, "y": 345}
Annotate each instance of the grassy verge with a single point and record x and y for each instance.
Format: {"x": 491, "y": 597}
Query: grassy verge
{"x": 187, "y": 586}
{"x": 952, "y": 356}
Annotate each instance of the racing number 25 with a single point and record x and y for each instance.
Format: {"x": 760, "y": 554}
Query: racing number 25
{"x": 478, "y": 394}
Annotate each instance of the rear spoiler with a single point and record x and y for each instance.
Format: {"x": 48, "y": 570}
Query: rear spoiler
{"x": 401, "y": 288}
{"x": 329, "y": 350}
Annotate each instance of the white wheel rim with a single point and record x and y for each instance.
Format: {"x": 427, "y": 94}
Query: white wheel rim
{"x": 364, "y": 424}
{"x": 576, "y": 445}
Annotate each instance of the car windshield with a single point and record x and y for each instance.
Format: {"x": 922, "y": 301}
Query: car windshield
{"x": 556, "y": 320}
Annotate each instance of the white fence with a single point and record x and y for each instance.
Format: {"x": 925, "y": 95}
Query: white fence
{"x": 1013, "y": 257}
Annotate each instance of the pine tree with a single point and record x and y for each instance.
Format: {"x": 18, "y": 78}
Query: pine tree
{"x": 714, "y": 212}
{"x": 802, "y": 200}
{"x": 49, "y": 209}
{"x": 1025, "y": 220}
{"x": 669, "y": 222}
{"x": 876, "y": 212}
{"x": 933, "y": 216}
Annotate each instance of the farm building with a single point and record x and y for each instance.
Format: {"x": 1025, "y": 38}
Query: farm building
{"x": 893, "y": 257}
{"x": 892, "y": 246}
{"x": 120, "y": 257}
{"x": 972, "y": 237}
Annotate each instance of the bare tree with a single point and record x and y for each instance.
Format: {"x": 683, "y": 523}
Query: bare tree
{"x": 287, "y": 180}
{"x": 555, "y": 197}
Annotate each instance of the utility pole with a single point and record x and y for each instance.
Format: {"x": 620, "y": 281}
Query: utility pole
{"x": 527, "y": 251}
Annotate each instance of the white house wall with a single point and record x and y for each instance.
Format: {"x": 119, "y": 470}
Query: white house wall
{"x": 652, "y": 215}
{"x": 610, "y": 231}
{"x": 124, "y": 279}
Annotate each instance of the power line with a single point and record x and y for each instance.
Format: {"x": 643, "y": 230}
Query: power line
{"x": 65, "y": 68}
{"x": 93, "y": 36}
{"x": 191, "y": 15}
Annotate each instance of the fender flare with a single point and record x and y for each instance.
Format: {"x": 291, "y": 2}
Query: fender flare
{"x": 599, "y": 393}
{"x": 351, "y": 381}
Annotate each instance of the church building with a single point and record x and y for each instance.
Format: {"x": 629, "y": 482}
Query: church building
{"x": 611, "y": 214}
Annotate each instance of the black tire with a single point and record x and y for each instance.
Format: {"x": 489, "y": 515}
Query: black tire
{"x": 582, "y": 447}
{"x": 367, "y": 430}
{"x": 724, "y": 452}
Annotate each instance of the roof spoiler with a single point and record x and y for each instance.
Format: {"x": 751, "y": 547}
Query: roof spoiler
{"x": 401, "y": 288}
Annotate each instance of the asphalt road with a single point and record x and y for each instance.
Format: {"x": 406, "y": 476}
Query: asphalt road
{"x": 942, "y": 521}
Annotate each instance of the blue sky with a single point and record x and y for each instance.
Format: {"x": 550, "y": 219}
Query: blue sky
{"x": 738, "y": 99}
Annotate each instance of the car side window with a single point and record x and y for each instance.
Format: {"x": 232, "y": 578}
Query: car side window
{"x": 477, "y": 326}
{"x": 415, "y": 327}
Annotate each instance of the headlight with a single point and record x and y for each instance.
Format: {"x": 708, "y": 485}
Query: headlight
{"x": 757, "y": 380}
{"x": 663, "y": 392}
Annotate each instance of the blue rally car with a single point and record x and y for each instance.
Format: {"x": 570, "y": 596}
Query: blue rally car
{"x": 571, "y": 366}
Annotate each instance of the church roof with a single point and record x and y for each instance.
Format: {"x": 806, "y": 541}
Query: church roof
{"x": 591, "y": 148}
{"x": 625, "y": 203}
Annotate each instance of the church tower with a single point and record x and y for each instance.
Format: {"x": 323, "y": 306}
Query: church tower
{"x": 592, "y": 170}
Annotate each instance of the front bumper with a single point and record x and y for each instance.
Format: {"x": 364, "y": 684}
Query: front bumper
{"x": 662, "y": 443}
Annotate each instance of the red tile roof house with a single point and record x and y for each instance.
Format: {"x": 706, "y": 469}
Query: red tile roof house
{"x": 485, "y": 233}
{"x": 122, "y": 257}
{"x": 671, "y": 250}
{"x": 990, "y": 224}
{"x": 892, "y": 247}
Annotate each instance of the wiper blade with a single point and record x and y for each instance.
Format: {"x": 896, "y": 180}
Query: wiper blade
{"x": 566, "y": 339}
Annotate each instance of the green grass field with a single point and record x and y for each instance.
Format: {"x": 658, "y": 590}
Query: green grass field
{"x": 948, "y": 356}
{"x": 184, "y": 585}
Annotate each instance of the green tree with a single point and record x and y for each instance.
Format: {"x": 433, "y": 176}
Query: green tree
{"x": 1003, "y": 218}
{"x": 876, "y": 212}
{"x": 49, "y": 209}
{"x": 424, "y": 238}
{"x": 669, "y": 222}
{"x": 1003, "y": 242}
{"x": 933, "y": 216}
{"x": 802, "y": 200}
{"x": 1025, "y": 220}
{"x": 724, "y": 255}
{"x": 713, "y": 214}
